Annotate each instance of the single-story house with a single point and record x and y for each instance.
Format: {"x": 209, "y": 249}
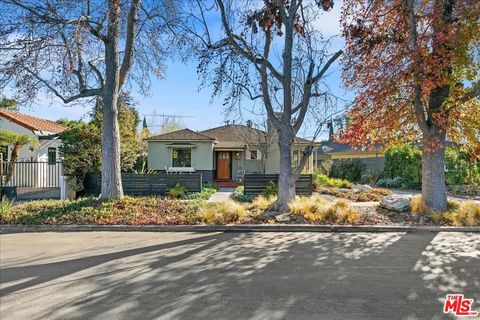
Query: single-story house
{"x": 223, "y": 153}
{"x": 46, "y": 132}
{"x": 336, "y": 151}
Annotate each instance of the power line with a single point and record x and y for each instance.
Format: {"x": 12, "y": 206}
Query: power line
{"x": 160, "y": 120}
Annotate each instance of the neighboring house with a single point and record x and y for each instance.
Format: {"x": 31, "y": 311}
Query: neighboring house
{"x": 331, "y": 150}
{"x": 224, "y": 153}
{"x": 45, "y": 131}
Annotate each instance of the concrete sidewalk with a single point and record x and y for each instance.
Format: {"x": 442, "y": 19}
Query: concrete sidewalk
{"x": 223, "y": 194}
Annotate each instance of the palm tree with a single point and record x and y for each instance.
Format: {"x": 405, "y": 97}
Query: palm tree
{"x": 17, "y": 141}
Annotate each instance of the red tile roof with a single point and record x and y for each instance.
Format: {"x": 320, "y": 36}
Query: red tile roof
{"x": 31, "y": 122}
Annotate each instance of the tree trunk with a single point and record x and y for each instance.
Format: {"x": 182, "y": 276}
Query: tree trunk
{"x": 11, "y": 164}
{"x": 111, "y": 169}
{"x": 433, "y": 172}
{"x": 286, "y": 181}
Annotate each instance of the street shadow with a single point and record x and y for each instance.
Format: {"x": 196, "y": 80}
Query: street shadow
{"x": 42, "y": 273}
{"x": 260, "y": 276}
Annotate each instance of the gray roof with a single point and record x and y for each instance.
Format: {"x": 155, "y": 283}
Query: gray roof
{"x": 232, "y": 135}
{"x": 236, "y": 132}
{"x": 328, "y": 147}
{"x": 180, "y": 135}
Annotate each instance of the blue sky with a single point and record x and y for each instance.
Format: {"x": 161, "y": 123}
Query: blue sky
{"x": 180, "y": 93}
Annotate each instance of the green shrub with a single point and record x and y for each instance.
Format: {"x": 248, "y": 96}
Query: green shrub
{"x": 321, "y": 180}
{"x": 178, "y": 191}
{"x": 238, "y": 195}
{"x": 396, "y": 182}
{"x": 460, "y": 167}
{"x": 349, "y": 169}
{"x": 205, "y": 194}
{"x": 404, "y": 161}
{"x": 6, "y": 207}
{"x": 239, "y": 191}
{"x": 192, "y": 210}
{"x": 270, "y": 190}
{"x": 372, "y": 176}
{"x": 209, "y": 185}
{"x": 465, "y": 190}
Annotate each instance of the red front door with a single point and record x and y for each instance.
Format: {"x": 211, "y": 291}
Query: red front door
{"x": 223, "y": 165}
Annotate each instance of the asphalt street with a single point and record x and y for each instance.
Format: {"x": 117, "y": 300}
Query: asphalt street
{"x": 134, "y": 275}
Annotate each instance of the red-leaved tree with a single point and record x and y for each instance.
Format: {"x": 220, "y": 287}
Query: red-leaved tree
{"x": 415, "y": 67}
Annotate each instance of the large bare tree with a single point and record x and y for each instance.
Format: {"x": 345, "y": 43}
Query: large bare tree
{"x": 77, "y": 50}
{"x": 270, "y": 51}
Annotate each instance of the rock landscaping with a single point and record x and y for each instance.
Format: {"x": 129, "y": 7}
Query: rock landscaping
{"x": 194, "y": 209}
{"x": 395, "y": 203}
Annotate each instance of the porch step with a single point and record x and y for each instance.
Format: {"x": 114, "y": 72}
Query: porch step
{"x": 228, "y": 184}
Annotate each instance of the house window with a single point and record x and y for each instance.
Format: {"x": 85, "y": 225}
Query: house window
{"x": 52, "y": 155}
{"x": 254, "y": 155}
{"x": 181, "y": 157}
{"x": 296, "y": 158}
{"x": 4, "y": 152}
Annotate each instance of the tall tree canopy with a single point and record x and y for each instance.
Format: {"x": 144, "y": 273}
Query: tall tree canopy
{"x": 9, "y": 104}
{"x": 415, "y": 67}
{"x": 81, "y": 142}
{"x": 269, "y": 51}
{"x": 83, "y": 49}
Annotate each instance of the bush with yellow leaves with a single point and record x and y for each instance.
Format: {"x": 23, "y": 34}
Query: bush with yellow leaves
{"x": 223, "y": 212}
{"x": 317, "y": 210}
{"x": 458, "y": 214}
{"x": 261, "y": 203}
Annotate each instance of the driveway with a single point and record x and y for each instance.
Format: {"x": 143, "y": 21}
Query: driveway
{"x": 103, "y": 275}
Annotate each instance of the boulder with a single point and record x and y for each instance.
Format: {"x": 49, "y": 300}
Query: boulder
{"x": 395, "y": 203}
{"x": 283, "y": 217}
{"x": 361, "y": 188}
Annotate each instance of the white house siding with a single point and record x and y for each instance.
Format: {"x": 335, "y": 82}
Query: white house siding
{"x": 26, "y": 153}
{"x": 33, "y": 175}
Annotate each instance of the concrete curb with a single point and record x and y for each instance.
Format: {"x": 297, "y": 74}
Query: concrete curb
{"x": 9, "y": 228}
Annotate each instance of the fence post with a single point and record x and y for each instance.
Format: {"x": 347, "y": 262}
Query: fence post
{"x": 63, "y": 187}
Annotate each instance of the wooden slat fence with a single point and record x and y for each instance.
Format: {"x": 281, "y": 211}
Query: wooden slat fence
{"x": 147, "y": 184}
{"x": 254, "y": 184}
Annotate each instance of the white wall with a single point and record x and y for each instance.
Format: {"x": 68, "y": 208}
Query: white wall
{"x": 25, "y": 152}
{"x": 38, "y": 154}
{"x": 42, "y": 175}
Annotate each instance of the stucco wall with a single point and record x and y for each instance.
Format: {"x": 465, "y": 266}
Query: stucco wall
{"x": 160, "y": 155}
{"x": 38, "y": 154}
{"x": 25, "y": 152}
{"x": 242, "y": 163}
